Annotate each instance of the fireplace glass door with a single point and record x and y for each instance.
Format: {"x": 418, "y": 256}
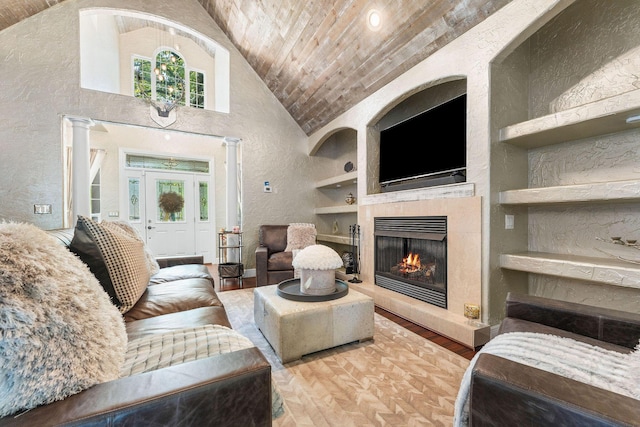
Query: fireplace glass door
{"x": 411, "y": 257}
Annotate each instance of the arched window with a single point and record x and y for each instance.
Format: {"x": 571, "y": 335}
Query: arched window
{"x": 166, "y": 81}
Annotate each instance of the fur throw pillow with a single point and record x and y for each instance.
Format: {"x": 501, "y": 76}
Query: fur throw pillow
{"x": 300, "y": 235}
{"x": 59, "y": 332}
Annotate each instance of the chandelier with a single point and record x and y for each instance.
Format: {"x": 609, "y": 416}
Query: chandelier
{"x": 164, "y": 86}
{"x": 169, "y": 84}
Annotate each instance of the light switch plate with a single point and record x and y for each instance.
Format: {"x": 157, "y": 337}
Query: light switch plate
{"x": 41, "y": 209}
{"x": 509, "y": 222}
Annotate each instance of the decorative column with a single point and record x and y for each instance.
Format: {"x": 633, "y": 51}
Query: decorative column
{"x": 80, "y": 167}
{"x": 232, "y": 182}
{"x": 232, "y": 196}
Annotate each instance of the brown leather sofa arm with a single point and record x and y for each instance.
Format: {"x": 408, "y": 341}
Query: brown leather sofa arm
{"x": 612, "y": 326}
{"x": 227, "y": 389}
{"x": 520, "y": 395}
{"x": 165, "y": 262}
{"x": 262, "y": 256}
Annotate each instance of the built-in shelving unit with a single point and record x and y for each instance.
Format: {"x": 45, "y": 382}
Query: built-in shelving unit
{"x": 601, "y": 270}
{"x": 337, "y": 209}
{"x": 334, "y": 214}
{"x": 610, "y": 192}
{"x": 334, "y": 238}
{"x": 597, "y": 118}
{"x": 601, "y": 117}
{"x": 338, "y": 181}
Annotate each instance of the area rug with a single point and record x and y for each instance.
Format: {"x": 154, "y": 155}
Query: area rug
{"x": 396, "y": 379}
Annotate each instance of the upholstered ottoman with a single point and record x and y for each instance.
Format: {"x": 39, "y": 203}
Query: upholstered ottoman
{"x": 295, "y": 328}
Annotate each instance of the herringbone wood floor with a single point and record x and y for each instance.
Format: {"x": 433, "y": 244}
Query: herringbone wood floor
{"x": 455, "y": 347}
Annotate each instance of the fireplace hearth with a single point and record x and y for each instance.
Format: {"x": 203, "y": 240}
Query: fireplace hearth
{"x": 411, "y": 257}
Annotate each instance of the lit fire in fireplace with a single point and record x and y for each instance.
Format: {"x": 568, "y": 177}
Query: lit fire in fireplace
{"x": 411, "y": 267}
{"x": 410, "y": 264}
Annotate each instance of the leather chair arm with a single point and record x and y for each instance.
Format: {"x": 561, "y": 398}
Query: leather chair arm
{"x": 613, "y": 326}
{"x": 504, "y": 392}
{"x": 262, "y": 256}
{"x": 226, "y": 389}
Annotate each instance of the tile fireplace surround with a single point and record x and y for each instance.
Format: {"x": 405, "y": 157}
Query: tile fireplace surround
{"x": 463, "y": 265}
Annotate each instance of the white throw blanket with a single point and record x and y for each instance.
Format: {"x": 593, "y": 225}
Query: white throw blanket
{"x": 606, "y": 369}
{"x": 183, "y": 345}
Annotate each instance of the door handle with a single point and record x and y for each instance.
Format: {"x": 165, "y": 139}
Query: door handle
{"x": 149, "y": 227}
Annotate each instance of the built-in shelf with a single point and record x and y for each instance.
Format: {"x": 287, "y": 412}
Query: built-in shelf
{"x": 338, "y": 181}
{"x": 596, "y": 118}
{"x": 601, "y": 270}
{"x": 614, "y": 191}
{"x": 337, "y": 209}
{"x": 334, "y": 238}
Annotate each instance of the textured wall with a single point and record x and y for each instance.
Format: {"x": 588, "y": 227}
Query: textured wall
{"x": 40, "y": 69}
{"x": 585, "y": 54}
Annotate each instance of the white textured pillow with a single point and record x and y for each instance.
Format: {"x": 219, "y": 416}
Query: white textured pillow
{"x": 59, "y": 332}
{"x": 300, "y": 235}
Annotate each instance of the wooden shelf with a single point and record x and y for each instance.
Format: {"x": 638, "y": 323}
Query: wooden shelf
{"x": 334, "y": 238}
{"x": 609, "y": 271}
{"x": 596, "y": 118}
{"x": 338, "y": 181}
{"x": 337, "y": 209}
{"x": 614, "y": 191}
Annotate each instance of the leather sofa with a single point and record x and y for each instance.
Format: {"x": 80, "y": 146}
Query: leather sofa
{"x": 504, "y": 392}
{"x": 226, "y": 389}
{"x": 273, "y": 264}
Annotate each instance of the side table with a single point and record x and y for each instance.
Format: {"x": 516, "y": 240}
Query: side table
{"x": 229, "y": 242}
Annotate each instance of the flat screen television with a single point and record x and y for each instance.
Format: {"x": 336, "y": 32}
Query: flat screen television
{"x": 428, "y": 146}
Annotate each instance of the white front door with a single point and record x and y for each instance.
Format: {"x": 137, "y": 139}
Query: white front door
{"x": 169, "y": 215}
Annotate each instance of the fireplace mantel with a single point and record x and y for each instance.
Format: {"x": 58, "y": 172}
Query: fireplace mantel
{"x": 464, "y": 281}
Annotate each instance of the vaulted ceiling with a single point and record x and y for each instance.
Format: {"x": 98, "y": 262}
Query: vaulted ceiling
{"x": 320, "y": 58}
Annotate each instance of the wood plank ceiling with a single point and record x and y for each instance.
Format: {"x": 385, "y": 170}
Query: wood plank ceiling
{"x": 319, "y": 58}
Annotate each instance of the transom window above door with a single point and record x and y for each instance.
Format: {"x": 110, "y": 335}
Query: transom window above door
{"x": 166, "y": 163}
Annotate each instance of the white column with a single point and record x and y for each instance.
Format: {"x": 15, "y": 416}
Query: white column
{"x": 232, "y": 182}
{"x": 80, "y": 167}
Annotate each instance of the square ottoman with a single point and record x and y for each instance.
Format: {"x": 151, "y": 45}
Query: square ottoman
{"x": 295, "y": 328}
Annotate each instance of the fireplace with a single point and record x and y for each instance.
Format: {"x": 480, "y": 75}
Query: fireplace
{"x": 411, "y": 257}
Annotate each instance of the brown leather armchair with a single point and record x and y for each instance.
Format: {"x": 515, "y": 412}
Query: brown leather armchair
{"x": 273, "y": 264}
{"x": 505, "y": 392}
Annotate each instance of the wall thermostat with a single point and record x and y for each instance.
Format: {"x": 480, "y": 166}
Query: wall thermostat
{"x": 267, "y": 187}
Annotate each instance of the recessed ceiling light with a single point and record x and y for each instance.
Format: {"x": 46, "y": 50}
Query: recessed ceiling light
{"x": 374, "y": 19}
